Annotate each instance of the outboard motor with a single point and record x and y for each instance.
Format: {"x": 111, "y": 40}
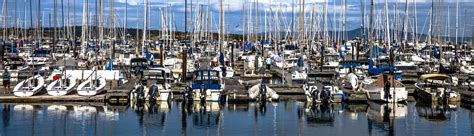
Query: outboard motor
{"x": 140, "y": 92}
{"x": 325, "y": 95}
{"x": 263, "y": 92}
{"x": 152, "y": 92}
{"x": 188, "y": 94}
{"x": 203, "y": 92}
{"x": 314, "y": 94}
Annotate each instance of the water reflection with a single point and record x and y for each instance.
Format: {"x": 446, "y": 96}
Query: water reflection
{"x": 195, "y": 118}
{"x": 384, "y": 115}
{"x": 320, "y": 114}
{"x": 435, "y": 112}
{"x": 152, "y": 113}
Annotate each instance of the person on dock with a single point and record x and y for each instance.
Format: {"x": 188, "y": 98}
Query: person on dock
{"x": 6, "y": 81}
{"x": 269, "y": 63}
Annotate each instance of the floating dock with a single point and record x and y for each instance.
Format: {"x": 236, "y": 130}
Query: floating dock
{"x": 112, "y": 94}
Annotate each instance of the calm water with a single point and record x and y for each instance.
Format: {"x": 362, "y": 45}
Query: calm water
{"x": 283, "y": 118}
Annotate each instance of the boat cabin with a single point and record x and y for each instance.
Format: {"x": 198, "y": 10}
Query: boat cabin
{"x": 434, "y": 81}
{"x": 160, "y": 74}
{"x": 323, "y": 78}
{"x": 14, "y": 62}
{"x": 136, "y": 63}
{"x": 209, "y": 79}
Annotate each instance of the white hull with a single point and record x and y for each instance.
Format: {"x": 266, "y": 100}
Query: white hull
{"x": 86, "y": 89}
{"x": 57, "y": 88}
{"x": 26, "y": 88}
{"x": 466, "y": 70}
{"x": 336, "y": 94}
{"x": 254, "y": 91}
{"x": 211, "y": 95}
{"x": 378, "y": 94}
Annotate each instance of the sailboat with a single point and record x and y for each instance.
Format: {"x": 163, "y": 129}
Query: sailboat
{"x": 29, "y": 87}
{"x": 93, "y": 85}
{"x": 62, "y": 86}
{"x": 385, "y": 88}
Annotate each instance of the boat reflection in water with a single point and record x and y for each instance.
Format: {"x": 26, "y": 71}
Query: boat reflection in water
{"x": 321, "y": 113}
{"x": 152, "y": 113}
{"x": 249, "y": 118}
{"x": 356, "y": 110}
{"x": 384, "y": 115}
{"x": 26, "y": 108}
{"x": 58, "y": 109}
{"x": 435, "y": 112}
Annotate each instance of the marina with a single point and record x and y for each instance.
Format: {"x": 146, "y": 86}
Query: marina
{"x": 246, "y": 67}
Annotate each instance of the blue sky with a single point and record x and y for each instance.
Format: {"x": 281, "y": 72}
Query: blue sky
{"x": 234, "y": 12}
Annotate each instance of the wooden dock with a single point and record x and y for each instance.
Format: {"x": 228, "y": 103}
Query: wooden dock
{"x": 113, "y": 94}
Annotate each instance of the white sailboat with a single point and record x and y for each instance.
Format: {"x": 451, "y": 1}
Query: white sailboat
{"x": 62, "y": 86}
{"x": 92, "y": 86}
{"x": 29, "y": 87}
{"x": 376, "y": 92}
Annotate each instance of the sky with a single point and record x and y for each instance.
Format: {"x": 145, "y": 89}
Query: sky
{"x": 234, "y": 13}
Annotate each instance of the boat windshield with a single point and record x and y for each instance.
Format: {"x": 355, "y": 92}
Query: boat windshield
{"x": 41, "y": 53}
{"x": 138, "y": 62}
{"x": 206, "y": 77}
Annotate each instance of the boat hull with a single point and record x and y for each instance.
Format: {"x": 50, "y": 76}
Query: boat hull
{"x": 85, "y": 89}
{"x": 55, "y": 89}
{"x": 23, "y": 89}
{"x": 400, "y": 95}
{"x": 211, "y": 95}
{"x": 429, "y": 96}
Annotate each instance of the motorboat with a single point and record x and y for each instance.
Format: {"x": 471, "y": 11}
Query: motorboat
{"x": 207, "y": 85}
{"x": 39, "y": 57}
{"x": 161, "y": 89}
{"x": 436, "y": 87}
{"x": 321, "y": 87}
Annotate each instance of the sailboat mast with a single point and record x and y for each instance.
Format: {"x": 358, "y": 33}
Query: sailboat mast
{"x": 387, "y": 24}
{"x": 457, "y": 21}
{"x": 125, "y": 22}
{"x": 145, "y": 24}
{"x": 344, "y": 20}
{"x": 415, "y": 37}
{"x": 55, "y": 25}
{"x": 371, "y": 21}
{"x": 5, "y": 13}
{"x": 63, "y": 26}
{"x": 405, "y": 25}
{"x": 221, "y": 24}
{"x": 430, "y": 30}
